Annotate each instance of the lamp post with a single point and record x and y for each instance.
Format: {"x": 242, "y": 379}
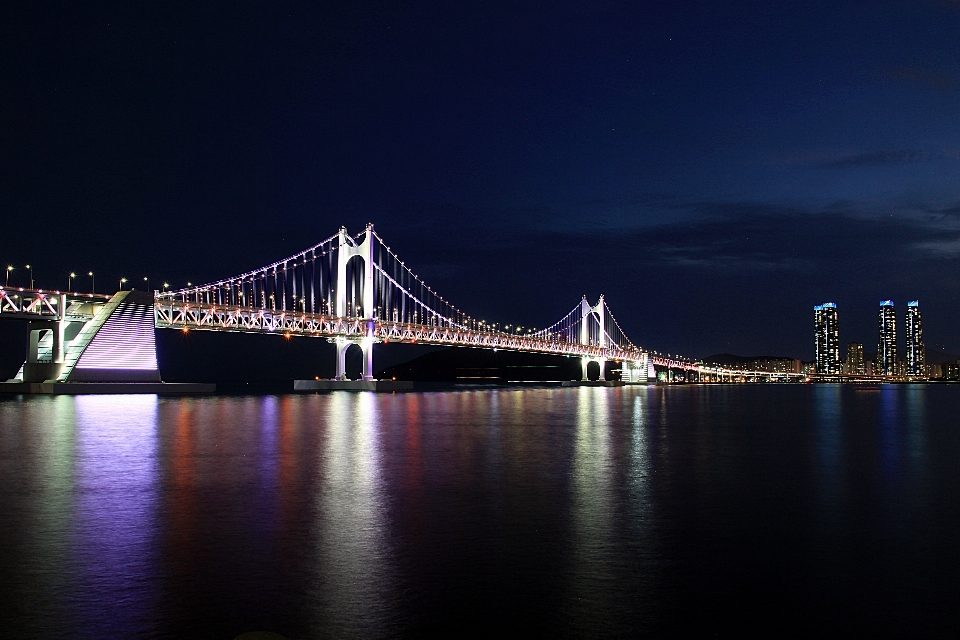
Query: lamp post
{"x": 31, "y": 275}
{"x": 70, "y": 280}
{"x": 147, "y": 280}
{"x": 93, "y": 282}
{"x": 122, "y": 280}
{"x": 6, "y": 282}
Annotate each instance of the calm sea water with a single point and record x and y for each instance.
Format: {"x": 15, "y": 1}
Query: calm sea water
{"x": 588, "y": 512}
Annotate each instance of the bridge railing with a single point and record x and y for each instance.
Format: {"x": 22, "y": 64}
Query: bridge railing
{"x": 19, "y": 303}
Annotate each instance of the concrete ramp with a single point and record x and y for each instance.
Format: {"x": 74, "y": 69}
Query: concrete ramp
{"x": 118, "y": 345}
{"x": 115, "y": 344}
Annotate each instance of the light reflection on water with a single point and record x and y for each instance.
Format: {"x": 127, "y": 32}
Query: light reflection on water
{"x": 575, "y": 512}
{"x": 115, "y": 533}
{"x": 889, "y": 431}
{"x": 593, "y": 511}
{"x": 352, "y": 553}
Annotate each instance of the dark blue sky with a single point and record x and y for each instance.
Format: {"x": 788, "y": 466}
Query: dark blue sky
{"x": 714, "y": 170}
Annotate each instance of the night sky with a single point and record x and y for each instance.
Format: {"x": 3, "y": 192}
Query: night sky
{"x": 714, "y": 169}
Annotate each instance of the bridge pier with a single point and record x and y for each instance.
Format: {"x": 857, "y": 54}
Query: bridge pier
{"x": 341, "y": 345}
{"x": 44, "y": 350}
{"x": 586, "y": 360}
{"x": 366, "y": 346}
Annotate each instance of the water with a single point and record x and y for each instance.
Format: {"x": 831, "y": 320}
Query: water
{"x": 588, "y": 512}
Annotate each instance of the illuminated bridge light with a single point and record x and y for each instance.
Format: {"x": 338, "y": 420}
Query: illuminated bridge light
{"x": 125, "y": 341}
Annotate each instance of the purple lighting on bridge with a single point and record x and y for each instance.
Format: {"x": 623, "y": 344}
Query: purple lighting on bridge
{"x": 125, "y": 341}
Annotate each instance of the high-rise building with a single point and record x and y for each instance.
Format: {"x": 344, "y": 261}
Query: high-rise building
{"x": 855, "y": 364}
{"x": 827, "y": 338}
{"x": 916, "y": 356}
{"x": 886, "y": 363}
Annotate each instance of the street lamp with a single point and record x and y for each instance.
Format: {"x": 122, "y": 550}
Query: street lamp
{"x": 93, "y": 282}
{"x": 7, "y": 275}
{"x": 70, "y": 280}
{"x": 147, "y": 280}
{"x": 31, "y": 275}
{"x": 122, "y": 280}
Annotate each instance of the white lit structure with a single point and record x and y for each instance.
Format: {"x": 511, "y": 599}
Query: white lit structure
{"x": 598, "y": 338}
{"x": 827, "y": 335}
{"x": 347, "y": 305}
{"x": 916, "y": 351}
{"x": 886, "y": 363}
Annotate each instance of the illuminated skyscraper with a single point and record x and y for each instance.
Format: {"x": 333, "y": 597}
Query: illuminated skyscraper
{"x": 855, "y": 364}
{"x": 827, "y": 338}
{"x": 915, "y": 348}
{"x": 886, "y": 363}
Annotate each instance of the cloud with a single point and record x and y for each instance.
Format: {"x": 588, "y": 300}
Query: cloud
{"x": 935, "y": 79}
{"x": 707, "y": 256}
{"x": 938, "y": 248}
{"x": 730, "y": 237}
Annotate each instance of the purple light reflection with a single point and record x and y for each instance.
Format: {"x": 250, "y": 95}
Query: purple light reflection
{"x": 114, "y": 537}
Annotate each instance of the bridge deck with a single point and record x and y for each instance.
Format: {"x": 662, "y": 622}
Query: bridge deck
{"x": 199, "y": 316}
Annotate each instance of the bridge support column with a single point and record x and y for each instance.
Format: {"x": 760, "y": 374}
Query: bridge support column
{"x": 44, "y": 350}
{"x": 342, "y": 346}
{"x": 586, "y": 360}
{"x": 367, "y": 346}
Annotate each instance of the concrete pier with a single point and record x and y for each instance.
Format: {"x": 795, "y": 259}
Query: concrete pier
{"x": 592, "y": 383}
{"x": 352, "y": 385}
{"x": 83, "y": 388}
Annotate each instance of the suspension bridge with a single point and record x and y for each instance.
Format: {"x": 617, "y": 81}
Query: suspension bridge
{"x": 348, "y": 289}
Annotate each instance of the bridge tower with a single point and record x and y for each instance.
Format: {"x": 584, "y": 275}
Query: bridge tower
{"x": 585, "y": 312}
{"x": 346, "y": 250}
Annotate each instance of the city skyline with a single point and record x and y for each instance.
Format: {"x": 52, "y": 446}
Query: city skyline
{"x": 888, "y": 359}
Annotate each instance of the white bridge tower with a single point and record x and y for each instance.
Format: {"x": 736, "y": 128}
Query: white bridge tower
{"x": 346, "y": 250}
{"x": 585, "y": 312}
